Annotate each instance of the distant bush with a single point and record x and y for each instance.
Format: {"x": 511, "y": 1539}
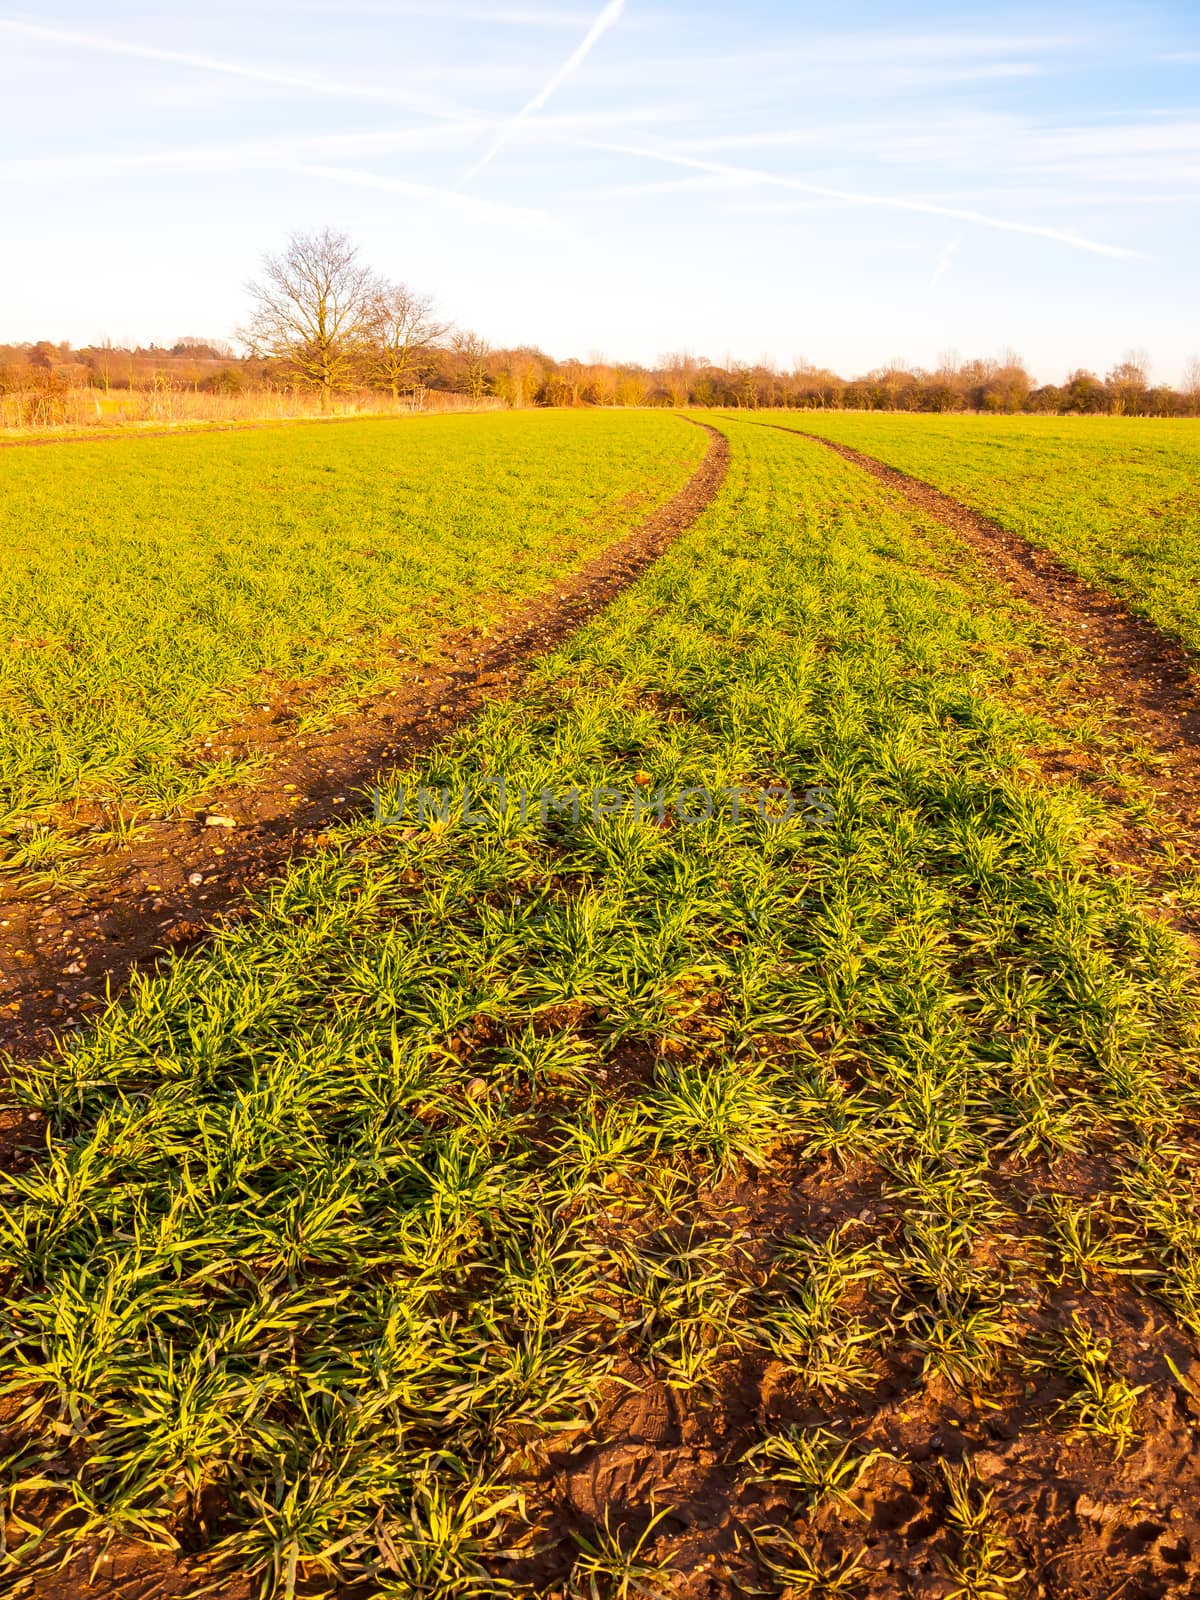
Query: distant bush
{"x": 230, "y": 380}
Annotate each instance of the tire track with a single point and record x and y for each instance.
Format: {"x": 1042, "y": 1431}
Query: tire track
{"x": 1148, "y": 676}
{"x": 61, "y": 957}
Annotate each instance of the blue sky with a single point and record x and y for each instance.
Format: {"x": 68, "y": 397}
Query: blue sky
{"x": 846, "y": 184}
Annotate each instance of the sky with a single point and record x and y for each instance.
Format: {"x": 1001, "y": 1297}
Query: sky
{"x": 848, "y": 185}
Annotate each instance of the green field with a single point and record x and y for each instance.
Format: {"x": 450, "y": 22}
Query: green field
{"x": 152, "y": 589}
{"x": 1116, "y": 498}
{"x": 830, "y": 1135}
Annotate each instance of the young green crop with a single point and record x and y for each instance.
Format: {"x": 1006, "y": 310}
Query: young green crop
{"x": 343, "y": 1220}
{"x": 151, "y": 589}
{"x": 1116, "y": 498}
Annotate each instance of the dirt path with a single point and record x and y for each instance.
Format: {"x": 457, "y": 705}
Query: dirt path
{"x": 59, "y": 954}
{"x": 1144, "y": 672}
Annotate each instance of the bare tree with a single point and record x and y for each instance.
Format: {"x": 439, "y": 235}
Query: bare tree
{"x": 949, "y": 362}
{"x": 602, "y": 381}
{"x": 677, "y": 370}
{"x": 525, "y": 375}
{"x": 572, "y": 374}
{"x": 471, "y": 353}
{"x": 1191, "y": 379}
{"x": 104, "y": 361}
{"x": 313, "y": 309}
{"x": 746, "y": 379}
{"x": 403, "y": 331}
{"x": 632, "y": 384}
{"x": 1128, "y": 381}
{"x": 1010, "y": 383}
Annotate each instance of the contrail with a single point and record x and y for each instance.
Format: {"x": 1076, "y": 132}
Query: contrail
{"x": 607, "y": 18}
{"x": 422, "y": 191}
{"x": 226, "y": 68}
{"x": 286, "y": 155}
{"x": 942, "y": 265}
{"x": 776, "y": 180}
{"x": 246, "y": 153}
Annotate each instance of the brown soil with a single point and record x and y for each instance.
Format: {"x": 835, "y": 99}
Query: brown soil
{"x": 1075, "y": 1520}
{"x": 61, "y": 954}
{"x": 1147, "y": 675}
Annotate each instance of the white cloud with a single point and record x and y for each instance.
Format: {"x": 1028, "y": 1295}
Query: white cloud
{"x": 259, "y": 153}
{"x": 502, "y": 16}
{"x": 277, "y": 77}
{"x": 498, "y": 17}
{"x": 492, "y": 210}
{"x": 267, "y": 157}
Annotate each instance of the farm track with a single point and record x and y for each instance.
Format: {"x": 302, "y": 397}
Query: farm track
{"x": 147, "y": 904}
{"x": 1147, "y": 675}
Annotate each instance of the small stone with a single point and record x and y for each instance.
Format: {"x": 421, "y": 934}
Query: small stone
{"x": 195, "y": 879}
{"x": 215, "y": 821}
{"x": 476, "y": 1089}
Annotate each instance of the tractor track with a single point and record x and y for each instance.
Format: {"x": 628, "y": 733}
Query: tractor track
{"x": 1147, "y": 675}
{"x": 147, "y": 902}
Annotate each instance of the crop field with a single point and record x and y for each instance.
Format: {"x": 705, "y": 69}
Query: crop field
{"x": 1116, "y": 499}
{"x": 693, "y": 1194}
{"x": 152, "y": 590}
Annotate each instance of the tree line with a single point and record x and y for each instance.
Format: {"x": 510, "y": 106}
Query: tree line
{"x": 322, "y": 322}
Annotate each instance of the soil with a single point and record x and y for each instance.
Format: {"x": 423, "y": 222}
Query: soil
{"x": 61, "y": 955}
{"x": 1076, "y": 1521}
